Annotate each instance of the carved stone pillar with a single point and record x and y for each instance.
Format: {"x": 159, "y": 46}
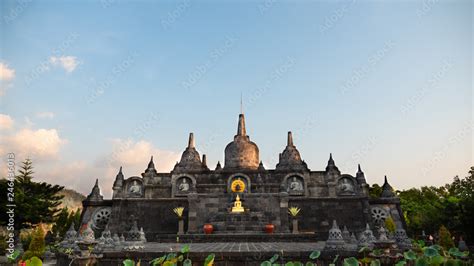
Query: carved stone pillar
{"x": 192, "y": 212}
{"x": 285, "y": 226}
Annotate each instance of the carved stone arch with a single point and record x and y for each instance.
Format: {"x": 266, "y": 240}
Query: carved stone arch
{"x": 179, "y": 180}
{"x": 346, "y": 185}
{"x": 134, "y": 187}
{"x": 245, "y": 178}
{"x": 294, "y": 184}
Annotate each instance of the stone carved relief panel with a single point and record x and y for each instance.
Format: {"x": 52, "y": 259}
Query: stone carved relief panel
{"x": 134, "y": 188}
{"x": 346, "y": 186}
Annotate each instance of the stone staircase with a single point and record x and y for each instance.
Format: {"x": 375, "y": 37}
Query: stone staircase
{"x": 235, "y": 223}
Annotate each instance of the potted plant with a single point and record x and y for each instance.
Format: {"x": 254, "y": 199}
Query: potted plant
{"x": 294, "y": 212}
{"x": 269, "y": 228}
{"x": 208, "y": 229}
{"x": 179, "y": 212}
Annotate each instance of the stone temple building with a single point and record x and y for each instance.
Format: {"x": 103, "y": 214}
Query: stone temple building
{"x": 208, "y": 195}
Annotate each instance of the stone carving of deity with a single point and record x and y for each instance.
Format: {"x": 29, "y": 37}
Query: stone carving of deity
{"x": 135, "y": 188}
{"x": 295, "y": 185}
{"x": 346, "y": 186}
{"x": 184, "y": 186}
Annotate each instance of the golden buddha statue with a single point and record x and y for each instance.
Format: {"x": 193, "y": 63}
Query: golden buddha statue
{"x": 237, "y": 205}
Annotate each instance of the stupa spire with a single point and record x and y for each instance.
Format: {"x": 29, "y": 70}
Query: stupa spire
{"x": 290, "y": 139}
{"x": 241, "y": 131}
{"x": 191, "y": 140}
{"x": 95, "y": 193}
{"x": 387, "y": 190}
{"x": 151, "y": 164}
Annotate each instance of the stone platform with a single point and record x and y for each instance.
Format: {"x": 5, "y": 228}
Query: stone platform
{"x": 237, "y": 253}
{"x": 240, "y": 237}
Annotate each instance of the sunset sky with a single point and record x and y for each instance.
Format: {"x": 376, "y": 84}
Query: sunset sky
{"x": 89, "y": 87}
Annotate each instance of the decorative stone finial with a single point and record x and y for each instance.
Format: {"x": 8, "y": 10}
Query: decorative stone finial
{"x": 218, "y": 166}
{"x": 241, "y": 131}
{"x": 260, "y": 166}
{"x": 151, "y": 164}
{"x": 360, "y": 176}
{"x": 367, "y": 238}
{"x": 387, "y": 190}
{"x": 331, "y": 164}
{"x": 191, "y": 140}
{"x": 118, "y": 179}
{"x": 95, "y": 193}
{"x": 71, "y": 232}
{"x": 290, "y": 139}
{"x": 190, "y": 158}
{"x": 134, "y": 233}
{"x": 204, "y": 160}
{"x": 142, "y": 235}
{"x": 290, "y": 158}
{"x": 335, "y": 239}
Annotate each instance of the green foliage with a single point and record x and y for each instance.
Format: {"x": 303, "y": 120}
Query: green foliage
{"x": 445, "y": 239}
{"x": 14, "y": 256}
{"x": 451, "y": 205}
{"x": 430, "y": 252}
{"x": 375, "y": 263}
{"x": 351, "y": 262}
{"x": 409, "y": 255}
{"x": 209, "y": 261}
{"x": 315, "y": 254}
{"x": 34, "y": 261}
{"x": 128, "y": 262}
{"x": 390, "y": 225}
{"x": 187, "y": 262}
{"x": 35, "y": 202}
{"x": 185, "y": 249}
{"x": 375, "y": 191}
{"x": 37, "y": 244}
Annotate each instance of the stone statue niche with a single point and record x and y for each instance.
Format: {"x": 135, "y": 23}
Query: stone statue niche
{"x": 134, "y": 188}
{"x": 295, "y": 185}
{"x": 345, "y": 186}
{"x": 184, "y": 185}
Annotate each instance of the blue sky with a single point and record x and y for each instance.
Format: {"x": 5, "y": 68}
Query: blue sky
{"x": 382, "y": 83}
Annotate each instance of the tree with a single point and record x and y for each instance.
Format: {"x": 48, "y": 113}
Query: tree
{"x": 451, "y": 205}
{"x": 36, "y": 202}
{"x": 375, "y": 190}
{"x": 64, "y": 220}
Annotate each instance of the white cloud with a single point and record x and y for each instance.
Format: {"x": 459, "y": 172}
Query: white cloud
{"x": 69, "y": 63}
{"x": 38, "y": 144}
{"x": 6, "y": 122}
{"x": 132, "y": 155}
{"x": 48, "y": 115}
{"x": 6, "y": 73}
{"x": 135, "y": 155}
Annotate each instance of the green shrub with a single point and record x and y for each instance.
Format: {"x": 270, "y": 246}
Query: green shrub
{"x": 37, "y": 244}
{"x": 25, "y": 239}
{"x": 445, "y": 239}
{"x": 390, "y": 225}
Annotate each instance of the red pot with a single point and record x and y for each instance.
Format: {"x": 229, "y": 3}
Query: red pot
{"x": 208, "y": 229}
{"x": 269, "y": 228}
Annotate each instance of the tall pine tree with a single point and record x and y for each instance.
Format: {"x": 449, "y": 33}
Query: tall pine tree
{"x": 36, "y": 202}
